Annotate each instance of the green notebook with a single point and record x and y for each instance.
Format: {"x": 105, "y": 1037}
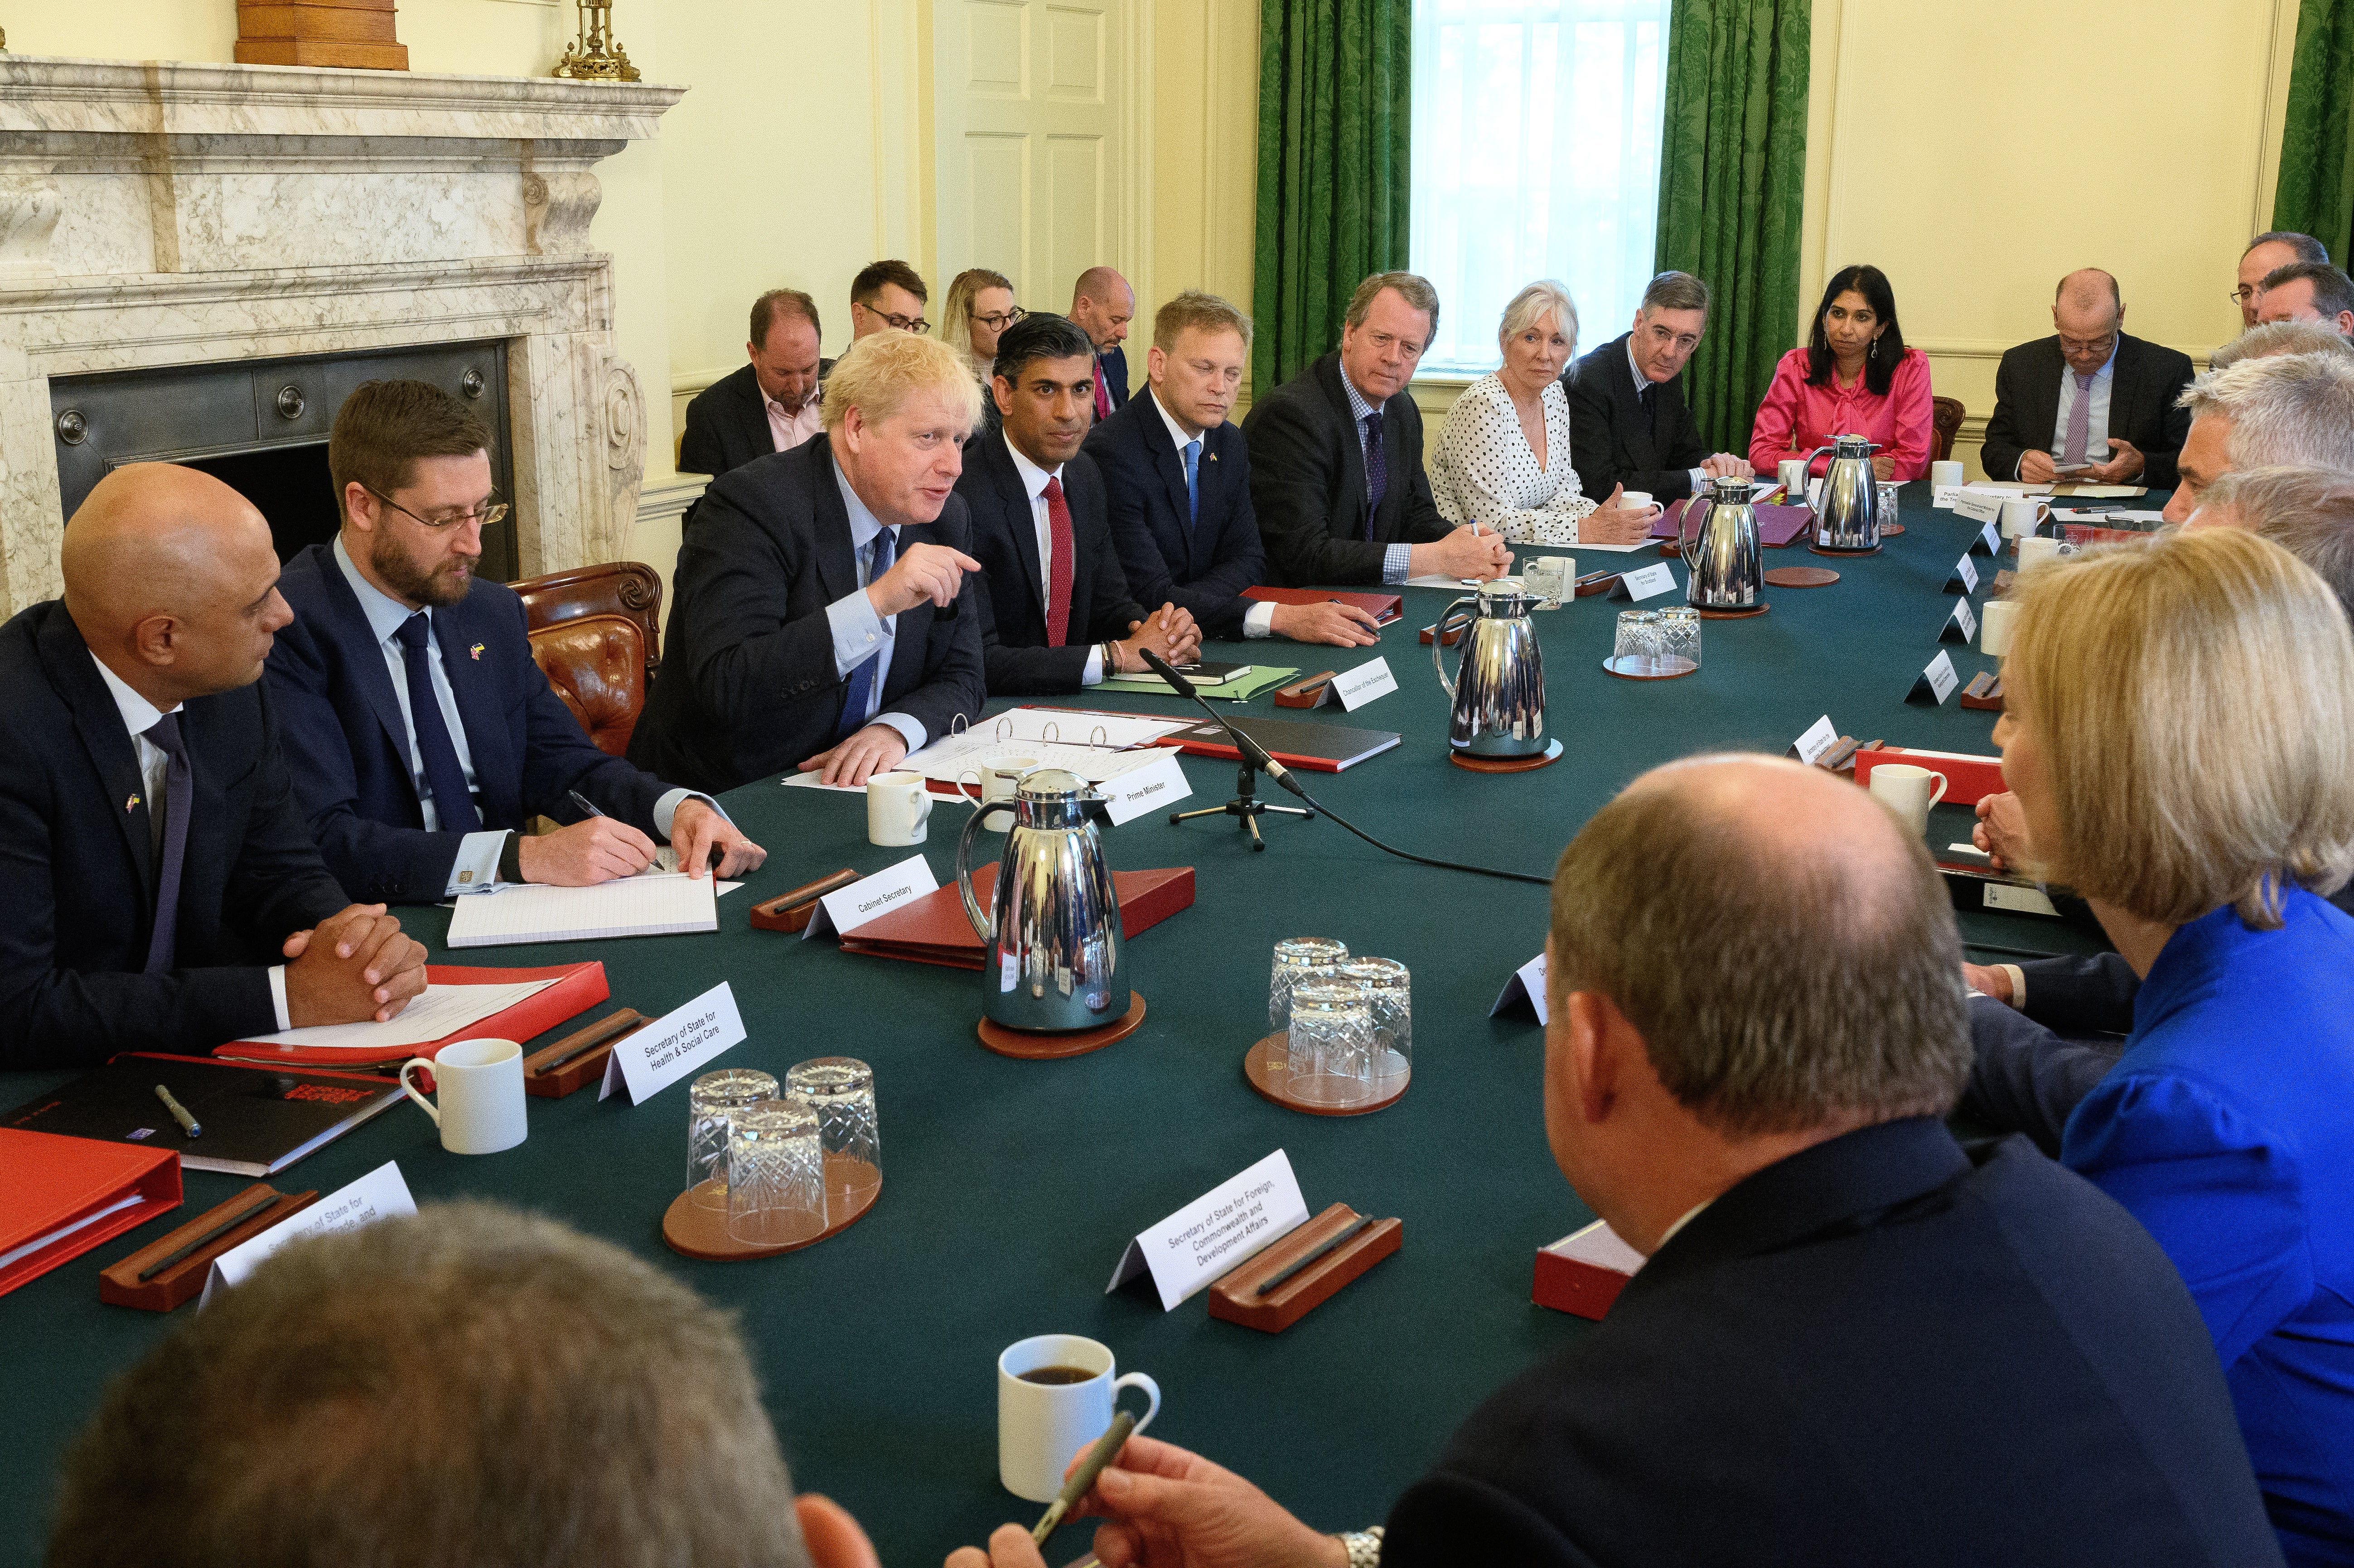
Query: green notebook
{"x": 1241, "y": 690}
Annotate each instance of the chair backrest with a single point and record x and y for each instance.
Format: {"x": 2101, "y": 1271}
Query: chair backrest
{"x": 1944, "y": 422}
{"x": 597, "y": 634}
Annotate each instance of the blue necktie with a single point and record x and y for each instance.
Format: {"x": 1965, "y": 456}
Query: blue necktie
{"x": 445, "y": 776}
{"x": 1193, "y": 480}
{"x": 179, "y": 795}
{"x": 859, "y": 695}
{"x": 1377, "y": 468}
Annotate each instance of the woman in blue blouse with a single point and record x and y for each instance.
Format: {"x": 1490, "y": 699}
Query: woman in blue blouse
{"x": 2181, "y": 736}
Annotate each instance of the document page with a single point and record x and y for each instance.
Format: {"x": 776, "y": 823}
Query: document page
{"x": 439, "y": 1011}
{"x": 657, "y": 905}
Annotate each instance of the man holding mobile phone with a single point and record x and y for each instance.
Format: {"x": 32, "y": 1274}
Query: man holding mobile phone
{"x": 2088, "y": 405}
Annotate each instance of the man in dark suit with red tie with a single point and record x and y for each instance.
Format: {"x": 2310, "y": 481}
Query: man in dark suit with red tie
{"x": 1057, "y": 614}
{"x": 164, "y": 893}
{"x": 1102, "y": 304}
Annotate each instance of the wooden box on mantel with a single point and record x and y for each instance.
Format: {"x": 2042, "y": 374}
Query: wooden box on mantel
{"x": 318, "y": 33}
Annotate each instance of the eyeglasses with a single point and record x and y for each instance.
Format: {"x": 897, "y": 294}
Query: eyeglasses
{"x": 1001, "y": 320}
{"x": 904, "y": 324}
{"x": 2100, "y": 345}
{"x": 2243, "y": 293}
{"x": 489, "y": 513}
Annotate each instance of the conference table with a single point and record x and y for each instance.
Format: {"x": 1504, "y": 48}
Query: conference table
{"x": 1011, "y": 1187}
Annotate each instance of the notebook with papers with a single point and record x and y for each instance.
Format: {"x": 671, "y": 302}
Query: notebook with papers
{"x": 661, "y": 905}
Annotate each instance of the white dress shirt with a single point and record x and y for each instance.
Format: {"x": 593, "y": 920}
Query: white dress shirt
{"x": 1642, "y": 382}
{"x": 859, "y": 633}
{"x": 1484, "y": 470}
{"x": 2097, "y": 421}
{"x": 1033, "y": 481}
{"x": 139, "y": 717}
{"x": 789, "y": 430}
{"x": 1258, "y": 620}
{"x": 476, "y": 869}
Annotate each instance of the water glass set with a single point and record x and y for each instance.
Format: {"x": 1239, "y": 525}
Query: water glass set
{"x": 1348, "y": 1022}
{"x": 784, "y": 1161}
{"x": 1655, "y": 643}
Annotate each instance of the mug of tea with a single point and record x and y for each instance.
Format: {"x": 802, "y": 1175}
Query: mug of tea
{"x": 479, "y": 1083}
{"x": 1055, "y": 1396}
{"x": 1944, "y": 473}
{"x": 1907, "y": 791}
{"x": 898, "y": 804}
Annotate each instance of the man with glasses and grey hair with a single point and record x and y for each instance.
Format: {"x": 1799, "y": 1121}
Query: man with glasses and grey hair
{"x": 2266, "y": 254}
{"x": 1627, "y": 411}
{"x": 421, "y": 733}
{"x": 2091, "y": 402}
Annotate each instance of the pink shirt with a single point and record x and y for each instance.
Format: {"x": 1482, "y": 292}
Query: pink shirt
{"x": 790, "y": 430}
{"x": 1796, "y": 417}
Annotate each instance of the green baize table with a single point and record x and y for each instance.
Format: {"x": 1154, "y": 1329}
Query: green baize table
{"x": 1011, "y": 1187}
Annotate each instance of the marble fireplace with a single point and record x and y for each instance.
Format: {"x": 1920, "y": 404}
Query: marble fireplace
{"x": 157, "y": 216}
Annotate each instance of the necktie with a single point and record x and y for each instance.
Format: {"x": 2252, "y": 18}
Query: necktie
{"x": 445, "y": 777}
{"x": 179, "y": 795}
{"x": 1058, "y": 569}
{"x": 2080, "y": 421}
{"x": 1103, "y": 393}
{"x": 1377, "y": 467}
{"x": 1193, "y": 479}
{"x": 859, "y": 695}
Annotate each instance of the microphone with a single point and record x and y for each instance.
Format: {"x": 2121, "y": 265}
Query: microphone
{"x": 1251, "y": 749}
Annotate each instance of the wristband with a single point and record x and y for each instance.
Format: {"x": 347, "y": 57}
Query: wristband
{"x": 1111, "y": 658}
{"x": 510, "y": 858}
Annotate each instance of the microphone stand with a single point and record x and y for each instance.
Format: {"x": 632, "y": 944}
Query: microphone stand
{"x": 1246, "y": 804}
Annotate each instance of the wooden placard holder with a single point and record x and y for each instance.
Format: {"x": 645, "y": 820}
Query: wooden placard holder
{"x": 1235, "y": 1296}
{"x": 318, "y": 33}
{"x": 1307, "y": 693}
{"x": 1592, "y": 583}
{"x": 1841, "y": 757}
{"x": 121, "y": 1286}
{"x": 1984, "y": 693}
{"x": 793, "y": 911}
{"x": 585, "y": 1068}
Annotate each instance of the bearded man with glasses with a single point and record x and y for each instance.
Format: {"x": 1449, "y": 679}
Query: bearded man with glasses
{"x": 420, "y": 734}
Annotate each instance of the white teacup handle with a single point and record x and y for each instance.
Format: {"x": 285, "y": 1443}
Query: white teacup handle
{"x": 1939, "y": 793}
{"x": 1151, "y": 1393}
{"x": 923, "y": 802}
{"x": 980, "y": 785}
{"x": 410, "y": 1089}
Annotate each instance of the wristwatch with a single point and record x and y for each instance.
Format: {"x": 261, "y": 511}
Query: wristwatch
{"x": 1110, "y": 652}
{"x": 1364, "y": 1547}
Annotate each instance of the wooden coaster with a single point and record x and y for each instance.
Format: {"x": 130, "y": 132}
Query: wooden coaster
{"x": 1505, "y": 764}
{"x": 1824, "y": 550}
{"x": 1632, "y": 667}
{"x": 1268, "y": 1065}
{"x": 1801, "y": 577}
{"x": 1751, "y": 613}
{"x": 698, "y": 1232}
{"x": 1043, "y": 1045}
{"x": 1889, "y": 530}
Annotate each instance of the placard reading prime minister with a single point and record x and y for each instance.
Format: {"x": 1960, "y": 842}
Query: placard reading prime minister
{"x": 824, "y": 620}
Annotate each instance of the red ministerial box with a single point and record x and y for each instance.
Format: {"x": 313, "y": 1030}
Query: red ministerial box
{"x": 1583, "y": 1272}
{"x": 1968, "y": 779}
{"x": 933, "y": 929}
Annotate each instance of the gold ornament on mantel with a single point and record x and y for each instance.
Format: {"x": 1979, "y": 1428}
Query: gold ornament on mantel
{"x": 596, "y": 57}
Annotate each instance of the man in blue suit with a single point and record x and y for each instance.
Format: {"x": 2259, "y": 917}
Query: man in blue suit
{"x": 1178, "y": 477}
{"x": 421, "y": 736}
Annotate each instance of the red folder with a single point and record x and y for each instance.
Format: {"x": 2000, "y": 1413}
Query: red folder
{"x": 934, "y": 930}
{"x": 578, "y": 988}
{"x": 1968, "y": 779}
{"x": 1582, "y": 1273}
{"x": 1383, "y": 608}
{"x": 52, "y": 1186}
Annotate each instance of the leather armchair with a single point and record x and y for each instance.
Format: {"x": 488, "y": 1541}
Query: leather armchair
{"x": 595, "y": 632}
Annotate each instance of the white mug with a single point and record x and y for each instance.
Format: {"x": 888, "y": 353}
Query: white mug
{"x": 2034, "y": 552}
{"x": 1043, "y": 1426}
{"x": 897, "y": 805}
{"x": 1904, "y": 789}
{"x": 1635, "y": 500}
{"x": 479, "y": 1085}
{"x": 1792, "y": 472}
{"x": 997, "y": 776}
{"x": 1994, "y": 627}
{"x": 1945, "y": 472}
{"x": 2021, "y": 518}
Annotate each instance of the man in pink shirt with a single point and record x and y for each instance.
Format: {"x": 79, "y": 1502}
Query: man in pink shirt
{"x": 769, "y": 405}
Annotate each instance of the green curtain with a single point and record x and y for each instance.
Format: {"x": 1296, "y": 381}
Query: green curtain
{"x": 2315, "y": 193}
{"x": 1332, "y": 170}
{"x": 1733, "y": 178}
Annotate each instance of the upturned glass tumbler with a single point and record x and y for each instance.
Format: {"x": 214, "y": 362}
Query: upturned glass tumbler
{"x": 1294, "y": 956}
{"x": 776, "y": 1174}
{"x": 1388, "y": 991}
{"x": 1331, "y": 1040}
{"x": 840, "y": 1089}
{"x": 710, "y": 1100}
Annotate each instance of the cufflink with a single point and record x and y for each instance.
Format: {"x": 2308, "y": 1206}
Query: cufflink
{"x": 465, "y": 877}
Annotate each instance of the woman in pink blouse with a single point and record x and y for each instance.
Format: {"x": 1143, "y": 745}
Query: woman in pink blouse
{"x": 1857, "y": 378}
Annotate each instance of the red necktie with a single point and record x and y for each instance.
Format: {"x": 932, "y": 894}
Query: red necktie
{"x": 1103, "y": 392}
{"x": 1058, "y": 566}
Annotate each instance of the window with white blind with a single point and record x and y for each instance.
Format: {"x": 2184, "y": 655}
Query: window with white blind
{"x": 1536, "y": 154}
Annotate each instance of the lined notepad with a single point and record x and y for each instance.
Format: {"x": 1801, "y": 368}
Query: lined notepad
{"x": 652, "y": 905}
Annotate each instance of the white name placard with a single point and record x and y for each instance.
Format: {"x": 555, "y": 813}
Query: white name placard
{"x": 852, "y": 906}
{"x": 1935, "y": 682}
{"x": 1965, "y": 617}
{"x": 1820, "y": 736}
{"x": 1990, "y": 542}
{"x": 1978, "y": 506}
{"x": 1965, "y": 572}
{"x": 673, "y": 1045}
{"x": 1215, "y": 1232}
{"x": 1146, "y": 789}
{"x": 381, "y": 1195}
{"x": 1648, "y": 583}
{"x": 1360, "y": 685}
{"x": 1525, "y": 990}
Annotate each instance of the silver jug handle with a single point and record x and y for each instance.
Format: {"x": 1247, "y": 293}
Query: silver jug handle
{"x": 1684, "y": 520}
{"x": 972, "y": 910}
{"x": 1439, "y": 641}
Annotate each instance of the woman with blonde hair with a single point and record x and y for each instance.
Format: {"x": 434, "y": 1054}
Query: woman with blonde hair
{"x": 2181, "y": 736}
{"x": 1503, "y": 454}
{"x": 979, "y": 308}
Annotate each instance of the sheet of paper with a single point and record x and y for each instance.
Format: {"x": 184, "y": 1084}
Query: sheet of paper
{"x": 1939, "y": 678}
{"x": 1584, "y": 545}
{"x": 1820, "y": 736}
{"x": 381, "y": 1195}
{"x": 1078, "y": 727}
{"x": 50, "y": 1238}
{"x": 2099, "y": 491}
{"x": 672, "y": 1047}
{"x": 1600, "y": 1245}
{"x": 1460, "y": 585}
{"x": 1147, "y": 789}
{"x": 633, "y": 907}
{"x": 848, "y": 908}
{"x": 815, "y": 780}
{"x": 1218, "y": 1230}
{"x": 438, "y": 1012}
{"x": 966, "y": 754}
{"x": 1978, "y": 506}
{"x": 1356, "y": 687}
{"x": 1965, "y": 572}
{"x": 1967, "y": 620}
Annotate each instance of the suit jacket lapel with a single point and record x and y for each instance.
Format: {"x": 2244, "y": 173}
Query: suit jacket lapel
{"x": 1023, "y": 522}
{"x": 1353, "y": 460}
{"x": 837, "y": 561}
{"x": 100, "y": 724}
{"x": 1641, "y": 450}
{"x": 754, "y": 411}
{"x": 1167, "y": 463}
{"x": 2125, "y": 381}
{"x": 363, "y": 658}
{"x": 488, "y": 741}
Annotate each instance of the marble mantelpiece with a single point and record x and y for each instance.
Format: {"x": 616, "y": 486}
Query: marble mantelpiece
{"x": 155, "y": 214}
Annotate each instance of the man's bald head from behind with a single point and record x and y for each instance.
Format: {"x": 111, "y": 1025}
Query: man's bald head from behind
{"x": 1783, "y": 945}
{"x": 171, "y": 578}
